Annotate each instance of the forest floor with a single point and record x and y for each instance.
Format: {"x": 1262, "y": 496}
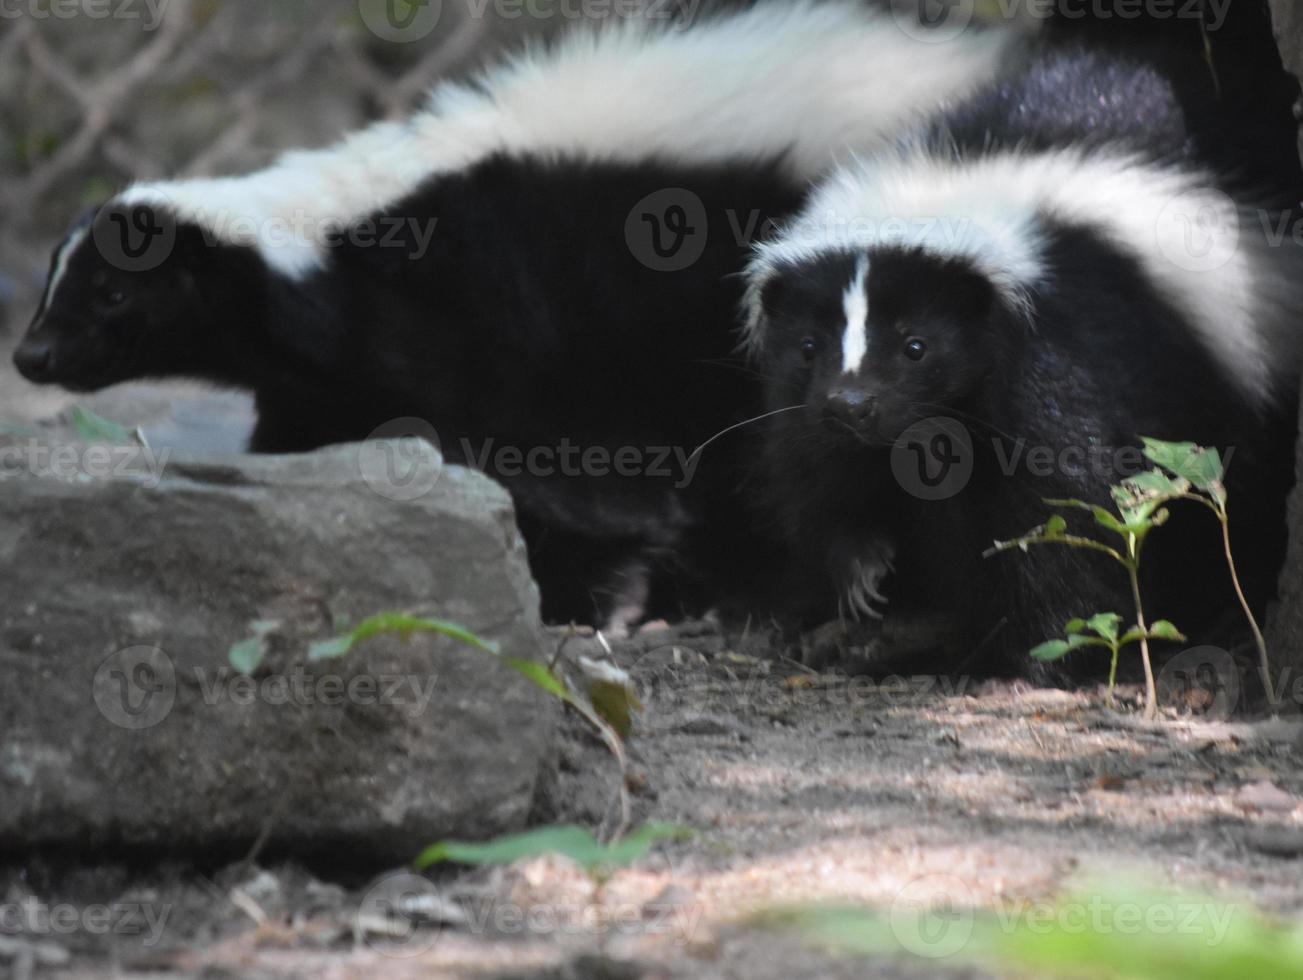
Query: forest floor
{"x": 799, "y": 788}
{"x": 973, "y": 799}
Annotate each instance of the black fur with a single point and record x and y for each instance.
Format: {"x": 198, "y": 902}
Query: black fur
{"x": 1102, "y": 360}
{"x": 529, "y": 322}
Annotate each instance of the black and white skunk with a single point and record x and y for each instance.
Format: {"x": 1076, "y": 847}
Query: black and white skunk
{"x": 480, "y": 267}
{"x": 993, "y": 315}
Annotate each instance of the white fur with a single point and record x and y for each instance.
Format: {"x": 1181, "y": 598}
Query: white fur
{"x": 992, "y": 211}
{"x": 806, "y": 79}
{"x": 855, "y": 303}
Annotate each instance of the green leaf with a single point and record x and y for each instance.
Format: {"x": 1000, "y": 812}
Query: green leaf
{"x": 538, "y": 673}
{"x": 570, "y": 841}
{"x": 615, "y": 702}
{"x": 1075, "y": 626}
{"x": 394, "y": 623}
{"x": 1163, "y": 630}
{"x": 92, "y": 428}
{"x": 246, "y": 656}
{"x": 1051, "y": 650}
{"x": 1071, "y": 504}
{"x": 1105, "y": 625}
{"x": 1201, "y": 466}
{"x": 1085, "y": 935}
{"x": 1056, "y": 527}
{"x": 1078, "y": 640}
{"x": 1156, "y": 483}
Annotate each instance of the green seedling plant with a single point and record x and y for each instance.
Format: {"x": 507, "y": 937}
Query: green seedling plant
{"x": 597, "y": 860}
{"x": 1198, "y": 475}
{"x": 1183, "y": 471}
{"x": 1103, "y": 630}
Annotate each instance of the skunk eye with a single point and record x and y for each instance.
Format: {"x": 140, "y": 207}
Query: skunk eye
{"x": 809, "y": 348}
{"x": 915, "y": 349}
{"x": 111, "y": 297}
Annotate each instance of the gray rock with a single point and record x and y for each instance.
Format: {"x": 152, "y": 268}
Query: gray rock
{"x": 126, "y": 579}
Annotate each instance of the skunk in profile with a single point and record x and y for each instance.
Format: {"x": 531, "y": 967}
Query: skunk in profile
{"x": 1052, "y": 268}
{"x": 473, "y": 266}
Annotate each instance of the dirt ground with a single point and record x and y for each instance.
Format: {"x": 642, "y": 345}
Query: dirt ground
{"x": 798, "y": 787}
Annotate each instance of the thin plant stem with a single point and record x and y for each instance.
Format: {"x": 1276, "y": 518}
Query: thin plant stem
{"x": 1264, "y": 663}
{"x": 1151, "y": 690}
{"x": 1113, "y": 672}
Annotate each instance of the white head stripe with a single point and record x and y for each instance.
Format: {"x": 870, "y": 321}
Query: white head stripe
{"x": 855, "y": 303}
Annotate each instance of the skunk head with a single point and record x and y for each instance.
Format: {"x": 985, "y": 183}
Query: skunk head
{"x": 871, "y": 341}
{"x": 121, "y": 301}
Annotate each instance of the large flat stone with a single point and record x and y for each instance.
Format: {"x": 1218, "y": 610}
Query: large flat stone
{"x": 123, "y": 586}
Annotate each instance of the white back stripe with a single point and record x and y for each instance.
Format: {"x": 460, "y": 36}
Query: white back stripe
{"x": 806, "y": 81}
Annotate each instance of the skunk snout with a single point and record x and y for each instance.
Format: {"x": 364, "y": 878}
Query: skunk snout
{"x": 848, "y": 408}
{"x": 34, "y": 359}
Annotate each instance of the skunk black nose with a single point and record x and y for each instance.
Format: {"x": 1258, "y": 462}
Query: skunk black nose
{"x": 847, "y": 407}
{"x": 33, "y": 358}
